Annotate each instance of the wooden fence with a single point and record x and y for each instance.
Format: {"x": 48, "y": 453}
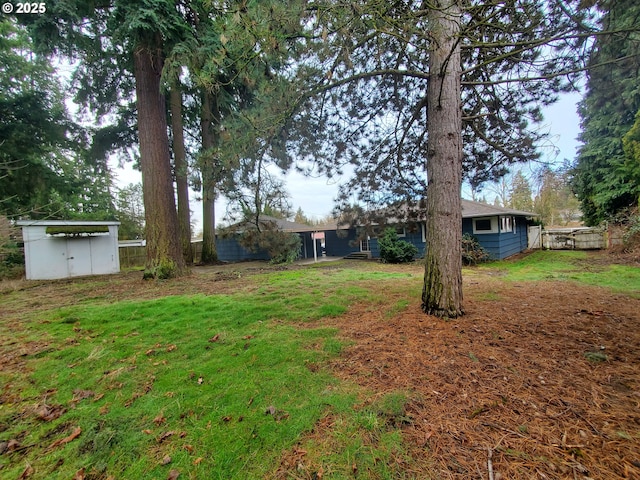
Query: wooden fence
{"x": 136, "y": 255}
{"x": 581, "y": 238}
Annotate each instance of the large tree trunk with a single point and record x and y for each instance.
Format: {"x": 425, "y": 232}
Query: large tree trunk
{"x": 164, "y": 257}
{"x": 442, "y": 289}
{"x": 207, "y": 170}
{"x": 181, "y": 170}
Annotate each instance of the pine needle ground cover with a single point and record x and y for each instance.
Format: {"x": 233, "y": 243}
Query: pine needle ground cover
{"x": 330, "y": 371}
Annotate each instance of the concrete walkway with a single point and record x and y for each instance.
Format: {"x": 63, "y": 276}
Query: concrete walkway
{"x": 310, "y": 261}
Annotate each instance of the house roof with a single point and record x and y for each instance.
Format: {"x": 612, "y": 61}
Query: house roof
{"x": 471, "y": 209}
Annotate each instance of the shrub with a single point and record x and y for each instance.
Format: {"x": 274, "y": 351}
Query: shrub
{"x": 394, "y": 250}
{"x": 282, "y": 247}
{"x": 472, "y": 252}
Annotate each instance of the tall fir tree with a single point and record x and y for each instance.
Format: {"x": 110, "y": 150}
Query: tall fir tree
{"x": 605, "y": 180}
{"x": 412, "y": 97}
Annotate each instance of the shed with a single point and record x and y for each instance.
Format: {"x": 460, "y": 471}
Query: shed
{"x": 67, "y": 248}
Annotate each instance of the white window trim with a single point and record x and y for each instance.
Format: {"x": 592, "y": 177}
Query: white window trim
{"x": 368, "y": 240}
{"x": 506, "y": 224}
{"x": 494, "y": 226}
{"x": 402, "y": 233}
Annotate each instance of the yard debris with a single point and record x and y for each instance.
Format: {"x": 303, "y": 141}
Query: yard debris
{"x": 165, "y": 435}
{"x": 26, "y": 473}
{"x": 215, "y": 338}
{"x": 166, "y": 460}
{"x": 62, "y": 441}
{"x": 48, "y": 413}
{"x": 173, "y": 474}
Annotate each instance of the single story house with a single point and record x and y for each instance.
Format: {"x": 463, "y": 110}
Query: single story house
{"x": 66, "y": 248}
{"x": 501, "y": 231}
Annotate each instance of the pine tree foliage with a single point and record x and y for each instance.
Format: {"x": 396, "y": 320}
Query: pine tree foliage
{"x": 371, "y": 69}
{"x": 45, "y": 169}
{"x": 605, "y": 179}
{"x": 385, "y": 77}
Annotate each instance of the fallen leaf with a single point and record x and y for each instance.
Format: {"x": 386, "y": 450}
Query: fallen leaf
{"x": 227, "y": 418}
{"x": 188, "y": 448}
{"x": 151, "y": 351}
{"x": 49, "y": 412}
{"x": 26, "y": 472}
{"x": 62, "y": 441}
{"x": 165, "y": 435}
{"x": 200, "y": 380}
{"x": 173, "y": 474}
{"x": 98, "y": 397}
{"x": 171, "y": 348}
{"x": 197, "y": 461}
{"x": 160, "y": 419}
{"x": 165, "y": 460}
{"x": 247, "y": 337}
{"x": 82, "y": 394}
{"x": 146, "y": 431}
{"x": 215, "y": 338}
{"x": 104, "y": 410}
{"x": 79, "y": 475}
{"x": 12, "y": 445}
{"x": 271, "y": 410}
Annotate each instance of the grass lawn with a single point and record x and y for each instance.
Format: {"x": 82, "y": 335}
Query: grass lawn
{"x": 122, "y": 379}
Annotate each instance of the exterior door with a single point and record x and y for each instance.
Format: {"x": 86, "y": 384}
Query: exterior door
{"x": 79, "y": 256}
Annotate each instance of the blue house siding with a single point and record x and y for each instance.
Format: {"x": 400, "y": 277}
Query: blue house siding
{"x": 516, "y": 241}
{"x": 229, "y": 250}
{"x": 503, "y": 244}
{"x": 343, "y": 242}
{"x": 337, "y": 245}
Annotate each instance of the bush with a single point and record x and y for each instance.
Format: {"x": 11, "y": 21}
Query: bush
{"x": 282, "y": 247}
{"x": 472, "y": 252}
{"x": 394, "y": 250}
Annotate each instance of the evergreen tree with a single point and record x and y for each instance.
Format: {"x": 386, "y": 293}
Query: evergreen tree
{"x": 521, "y": 195}
{"x": 454, "y": 86}
{"x": 46, "y": 170}
{"x": 605, "y": 180}
{"x": 121, "y": 46}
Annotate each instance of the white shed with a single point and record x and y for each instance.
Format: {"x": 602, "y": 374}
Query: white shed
{"x": 62, "y": 249}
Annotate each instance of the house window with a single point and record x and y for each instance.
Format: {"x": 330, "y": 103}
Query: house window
{"x": 485, "y": 225}
{"x": 364, "y": 245}
{"x": 506, "y": 224}
{"x": 401, "y": 232}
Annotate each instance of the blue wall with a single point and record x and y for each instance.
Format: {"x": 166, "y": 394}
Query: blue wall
{"x": 339, "y": 245}
{"x": 229, "y": 250}
{"x": 499, "y": 245}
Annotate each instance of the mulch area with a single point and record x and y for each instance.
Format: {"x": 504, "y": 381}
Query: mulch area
{"x": 540, "y": 380}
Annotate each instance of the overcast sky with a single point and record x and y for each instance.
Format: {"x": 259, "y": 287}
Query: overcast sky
{"x": 315, "y": 195}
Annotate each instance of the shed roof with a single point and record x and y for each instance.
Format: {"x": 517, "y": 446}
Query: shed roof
{"x": 65, "y": 223}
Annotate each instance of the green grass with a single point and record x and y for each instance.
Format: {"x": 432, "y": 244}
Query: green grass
{"x": 572, "y": 266}
{"x": 221, "y": 385}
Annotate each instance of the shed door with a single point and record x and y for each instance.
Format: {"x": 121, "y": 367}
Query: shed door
{"x": 79, "y": 256}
